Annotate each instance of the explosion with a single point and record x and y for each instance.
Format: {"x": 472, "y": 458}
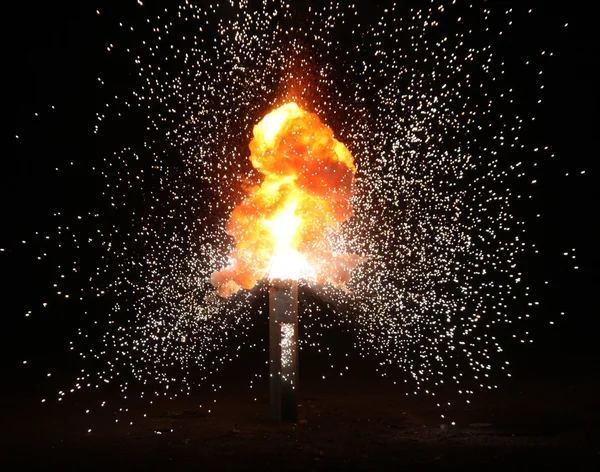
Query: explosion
{"x": 434, "y": 105}
{"x": 281, "y": 229}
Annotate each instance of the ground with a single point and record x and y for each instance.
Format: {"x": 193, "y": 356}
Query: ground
{"x": 344, "y": 425}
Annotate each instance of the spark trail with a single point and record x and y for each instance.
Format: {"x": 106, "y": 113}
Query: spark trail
{"x": 415, "y": 95}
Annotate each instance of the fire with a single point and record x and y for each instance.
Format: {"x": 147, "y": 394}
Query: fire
{"x": 281, "y": 229}
{"x": 286, "y": 261}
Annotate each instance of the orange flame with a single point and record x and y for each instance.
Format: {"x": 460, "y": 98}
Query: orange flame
{"x": 281, "y": 228}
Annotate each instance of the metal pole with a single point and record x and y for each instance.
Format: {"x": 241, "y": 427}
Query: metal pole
{"x": 283, "y": 349}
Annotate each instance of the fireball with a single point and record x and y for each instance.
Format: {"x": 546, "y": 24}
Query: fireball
{"x": 282, "y": 228}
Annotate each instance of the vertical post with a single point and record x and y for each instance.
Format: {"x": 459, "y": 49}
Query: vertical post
{"x": 283, "y": 349}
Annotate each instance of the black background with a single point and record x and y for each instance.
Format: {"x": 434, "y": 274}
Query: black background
{"x": 55, "y": 51}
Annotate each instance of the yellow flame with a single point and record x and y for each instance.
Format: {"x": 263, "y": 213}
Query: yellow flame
{"x": 281, "y": 228}
{"x": 287, "y": 262}
{"x": 271, "y": 124}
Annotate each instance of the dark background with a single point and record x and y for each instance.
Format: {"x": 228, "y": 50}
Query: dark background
{"x": 54, "y": 53}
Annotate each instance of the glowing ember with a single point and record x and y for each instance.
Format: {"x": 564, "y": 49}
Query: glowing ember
{"x": 282, "y": 228}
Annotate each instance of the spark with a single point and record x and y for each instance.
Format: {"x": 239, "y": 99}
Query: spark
{"x": 425, "y": 105}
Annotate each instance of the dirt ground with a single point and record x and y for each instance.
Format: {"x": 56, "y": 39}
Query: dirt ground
{"x": 342, "y": 426}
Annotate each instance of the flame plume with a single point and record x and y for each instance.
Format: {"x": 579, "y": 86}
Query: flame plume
{"x": 281, "y": 229}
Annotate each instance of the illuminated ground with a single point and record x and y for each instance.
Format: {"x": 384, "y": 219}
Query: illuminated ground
{"x": 548, "y": 422}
